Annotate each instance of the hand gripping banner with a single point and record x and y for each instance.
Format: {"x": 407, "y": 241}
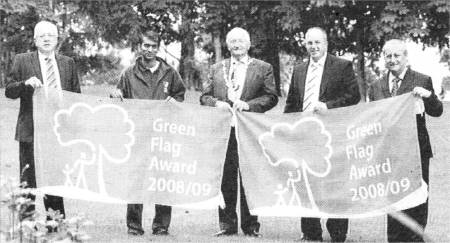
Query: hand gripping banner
{"x": 101, "y": 149}
{"x": 356, "y": 161}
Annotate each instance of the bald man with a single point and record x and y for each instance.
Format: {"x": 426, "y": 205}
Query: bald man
{"x": 324, "y": 82}
{"x": 31, "y": 71}
{"x": 245, "y": 84}
{"x": 401, "y": 79}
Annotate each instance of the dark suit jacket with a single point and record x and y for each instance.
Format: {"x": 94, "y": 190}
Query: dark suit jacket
{"x": 379, "y": 89}
{"x": 258, "y": 91}
{"x": 25, "y": 66}
{"x": 338, "y": 87}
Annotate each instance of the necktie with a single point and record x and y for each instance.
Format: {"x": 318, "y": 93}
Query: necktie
{"x": 50, "y": 74}
{"x": 309, "y": 87}
{"x": 395, "y": 86}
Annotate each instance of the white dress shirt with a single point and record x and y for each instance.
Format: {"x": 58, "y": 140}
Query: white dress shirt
{"x": 392, "y": 77}
{"x": 320, "y": 66}
{"x": 239, "y": 77}
{"x": 43, "y": 64}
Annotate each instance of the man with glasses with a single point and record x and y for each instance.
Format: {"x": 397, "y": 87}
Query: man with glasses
{"x": 149, "y": 78}
{"x": 31, "y": 71}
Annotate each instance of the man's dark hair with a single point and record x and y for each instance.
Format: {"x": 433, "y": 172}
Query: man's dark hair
{"x": 151, "y": 35}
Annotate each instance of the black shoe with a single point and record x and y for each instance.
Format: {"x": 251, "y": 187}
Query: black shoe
{"x": 225, "y": 233}
{"x": 308, "y": 239}
{"x": 132, "y": 231}
{"x": 50, "y": 229}
{"x": 253, "y": 234}
{"x": 160, "y": 231}
{"x": 338, "y": 238}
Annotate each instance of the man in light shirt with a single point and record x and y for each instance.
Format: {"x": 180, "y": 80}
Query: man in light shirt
{"x": 239, "y": 83}
{"x": 31, "y": 71}
{"x": 324, "y": 82}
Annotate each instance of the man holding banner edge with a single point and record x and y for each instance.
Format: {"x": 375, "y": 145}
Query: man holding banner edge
{"x": 43, "y": 68}
{"x": 324, "y": 82}
{"x": 153, "y": 79}
{"x": 399, "y": 80}
{"x": 245, "y": 84}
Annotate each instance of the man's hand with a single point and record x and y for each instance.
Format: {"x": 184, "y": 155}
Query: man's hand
{"x": 241, "y": 105}
{"x": 33, "y": 82}
{"x": 117, "y": 93}
{"x": 421, "y": 92}
{"x": 171, "y": 99}
{"x": 320, "y": 106}
{"x": 223, "y": 105}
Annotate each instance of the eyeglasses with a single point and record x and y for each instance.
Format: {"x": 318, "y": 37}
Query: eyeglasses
{"x": 148, "y": 46}
{"x": 40, "y": 37}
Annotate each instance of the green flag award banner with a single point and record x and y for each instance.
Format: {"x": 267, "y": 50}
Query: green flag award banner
{"x": 356, "y": 161}
{"x": 107, "y": 150}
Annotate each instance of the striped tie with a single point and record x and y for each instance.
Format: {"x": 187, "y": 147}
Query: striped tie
{"x": 395, "y": 86}
{"x": 50, "y": 74}
{"x": 309, "y": 88}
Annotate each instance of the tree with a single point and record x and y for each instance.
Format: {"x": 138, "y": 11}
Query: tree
{"x": 257, "y": 17}
{"x": 362, "y": 27}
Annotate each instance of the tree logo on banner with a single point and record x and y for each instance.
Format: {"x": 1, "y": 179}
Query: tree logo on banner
{"x": 299, "y": 150}
{"x": 107, "y": 132}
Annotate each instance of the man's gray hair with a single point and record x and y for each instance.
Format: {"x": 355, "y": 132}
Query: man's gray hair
{"x": 396, "y": 43}
{"x": 45, "y": 25}
{"x": 239, "y": 32}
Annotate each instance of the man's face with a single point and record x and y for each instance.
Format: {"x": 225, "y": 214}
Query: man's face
{"x": 45, "y": 41}
{"x": 149, "y": 49}
{"x": 238, "y": 45}
{"x": 395, "y": 59}
{"x": 316, "y": 44}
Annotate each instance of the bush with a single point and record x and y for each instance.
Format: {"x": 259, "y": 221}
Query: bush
{"x": 99, "y": 69}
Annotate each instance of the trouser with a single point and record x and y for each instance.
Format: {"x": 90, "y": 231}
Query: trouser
{"x": 26, "y": 156}
{"x": 228, "y": 216}
{"x": 337, "y": 228}
{"x": 396, "y": 231}
{"x": 162, "y": 218}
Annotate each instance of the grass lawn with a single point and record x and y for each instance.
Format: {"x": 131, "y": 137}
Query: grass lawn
{"x": 198, "y": 226}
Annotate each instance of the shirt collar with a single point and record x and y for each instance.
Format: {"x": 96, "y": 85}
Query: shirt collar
{"x": 152, "y": 69}
{"x": 42, "y": 57}
{"x": 321, "y": 61}
{"x": 401, "y": 76}
{"x": 244, "y": 60}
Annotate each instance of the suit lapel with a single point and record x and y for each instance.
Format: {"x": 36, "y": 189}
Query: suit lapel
{"x": 325, "y": 75}
{"x": 62, "y": 66}
{"x": 385, "y": 86}
{"x": 406, "y": 82}
{"x": 225, "y": 72}
{"x": 37, "y": 66}
{"x": 303, "y": 70}
{"x": 249, "y": 76}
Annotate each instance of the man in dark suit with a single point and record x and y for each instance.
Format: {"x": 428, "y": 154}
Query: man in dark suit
{"x": 324, "y": 82}
{"x": 245, "y": 84}
{"x": 30, "y": 71}
{"x": 401, "y": 79}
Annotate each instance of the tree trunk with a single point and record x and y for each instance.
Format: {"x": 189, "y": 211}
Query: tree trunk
{"x": 273, "y": 50}
{"x": 266, "y": 40}
{"x": 217, "y": 46}
{"x": 360, "y": 65}
{"x": 187, "y": 60}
